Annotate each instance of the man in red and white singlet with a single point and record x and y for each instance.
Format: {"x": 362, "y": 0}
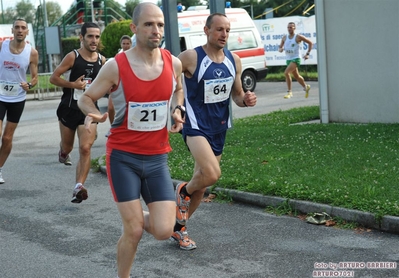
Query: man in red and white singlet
{"x": 143, "y": 81}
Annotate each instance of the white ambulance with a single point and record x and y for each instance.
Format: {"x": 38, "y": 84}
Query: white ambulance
{"x": 244, "y": 40}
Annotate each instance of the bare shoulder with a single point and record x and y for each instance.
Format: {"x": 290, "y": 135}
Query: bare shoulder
{"x": 70, "y": 56}
{"x": 177, "y": 65}
{"x": 188, "y": 55}
{"x": 236, "y": 57}
{"x": 237, "y": 61}
{"x": 111, "y": 63}
{"x": 110, "y": 69}
{"x": 188, "y": 59}
{"x": 300, "y": 38}
{"x": 34, "y": 52}
{"x": 109, "y": 72}
{"x": 67, "y": 62}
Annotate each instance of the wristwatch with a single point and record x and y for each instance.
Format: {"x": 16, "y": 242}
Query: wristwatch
{"x": 182, "y": 110}
{"x": 30, "y": 85}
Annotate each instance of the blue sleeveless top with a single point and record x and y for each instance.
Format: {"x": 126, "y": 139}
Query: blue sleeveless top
{"x": 207, "y": 93}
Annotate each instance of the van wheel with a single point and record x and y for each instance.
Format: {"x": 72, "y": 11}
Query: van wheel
{"x": 248, "y": 80}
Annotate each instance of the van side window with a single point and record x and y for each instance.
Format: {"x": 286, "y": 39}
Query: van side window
{"x": 241, "y": 40}
{"x": 197, "y": 40}
{"x": 183, "y": 45}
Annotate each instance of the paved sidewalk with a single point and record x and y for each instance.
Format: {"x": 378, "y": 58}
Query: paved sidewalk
{"x": 43, "y": 234}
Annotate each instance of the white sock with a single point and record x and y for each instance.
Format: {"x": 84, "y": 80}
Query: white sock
{"x": 78, "y": 184}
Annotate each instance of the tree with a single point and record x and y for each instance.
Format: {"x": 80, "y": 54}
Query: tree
{"x": 115, "y": 11}
{"x": 54, "y": 12}
{"x": 111, "y": 35}
{"x": 25, "y": 10}
{"x": 290, "y": 7}
{"x": 130, "y": 5}
{"x": 9, "y": 15}
{"x": 282, "y": 7}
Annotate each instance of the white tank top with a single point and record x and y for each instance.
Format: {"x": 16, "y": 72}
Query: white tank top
{"x": 291, "y": 48}
{"x": 13, "y": 69}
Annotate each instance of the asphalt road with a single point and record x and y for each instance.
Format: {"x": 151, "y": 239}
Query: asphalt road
{"x": 42, "y": 234}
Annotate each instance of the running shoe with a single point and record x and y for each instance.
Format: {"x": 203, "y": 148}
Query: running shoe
{"x": 79, "y": 194}
{"x": 183, "y": 240}
{"x": 182, "y": 204}
{"x": 307, "y": 89}
{"x": 288, "y": 95}
{"x": 64, "y": 158}
{"x": 1, "y": 177}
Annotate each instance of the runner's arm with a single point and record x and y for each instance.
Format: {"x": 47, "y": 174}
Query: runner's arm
{"x": 178, "y": 97}
{"x": 65, "y": 65}
{"x": 241, "y": 98}
{"x": 107, "y": 77}
{"x": 34, "y": 62}
{"x": 281, "y": 47}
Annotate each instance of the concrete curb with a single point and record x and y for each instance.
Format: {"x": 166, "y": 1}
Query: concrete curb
{"x": 388, "y": 223}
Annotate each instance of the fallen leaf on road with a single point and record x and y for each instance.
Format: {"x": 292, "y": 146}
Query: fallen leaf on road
{"x": 302, "y": 217}
{"x": 330, "y": 223}
{"x": 209, "y": 198}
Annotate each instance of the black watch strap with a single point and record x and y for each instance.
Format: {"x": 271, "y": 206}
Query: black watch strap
{"x": 182, "y": 110}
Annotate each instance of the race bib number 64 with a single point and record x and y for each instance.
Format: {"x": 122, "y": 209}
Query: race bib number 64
{"x": 217, "y": 90}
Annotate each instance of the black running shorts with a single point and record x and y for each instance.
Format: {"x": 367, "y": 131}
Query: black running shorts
{"x": 13, "y": 109}
{"x": 69, "y": 117}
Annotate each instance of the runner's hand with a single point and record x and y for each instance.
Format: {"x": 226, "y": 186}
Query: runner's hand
{"x": 80, "y": 83}
{"x": 94, "y": 118}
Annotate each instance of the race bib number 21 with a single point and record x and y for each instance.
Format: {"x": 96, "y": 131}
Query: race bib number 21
{"x": 147, "y": 116}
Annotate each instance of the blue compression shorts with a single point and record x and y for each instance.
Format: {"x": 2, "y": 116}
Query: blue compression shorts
{"x": 131, "y": 175}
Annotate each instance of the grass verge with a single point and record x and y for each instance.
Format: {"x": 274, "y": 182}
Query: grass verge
{"x": 353, "y": 166}
{"x": 280, "y": 77}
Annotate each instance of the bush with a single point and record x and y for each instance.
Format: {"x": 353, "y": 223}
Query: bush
{"x": 69, "y": 44}
{"x": 111, "y": 35}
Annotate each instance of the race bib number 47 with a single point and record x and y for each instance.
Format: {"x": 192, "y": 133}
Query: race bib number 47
{"x": 9, "y": 88}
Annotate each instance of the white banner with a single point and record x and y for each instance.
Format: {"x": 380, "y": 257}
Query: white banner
{"x": 273, "y": 29}
{"x": 5, "y": 33}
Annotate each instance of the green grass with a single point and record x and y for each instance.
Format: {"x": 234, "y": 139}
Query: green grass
{"x": 43, "y": 83}
{"x": 309, "y": 76}
{"x": 348, "y": 165}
